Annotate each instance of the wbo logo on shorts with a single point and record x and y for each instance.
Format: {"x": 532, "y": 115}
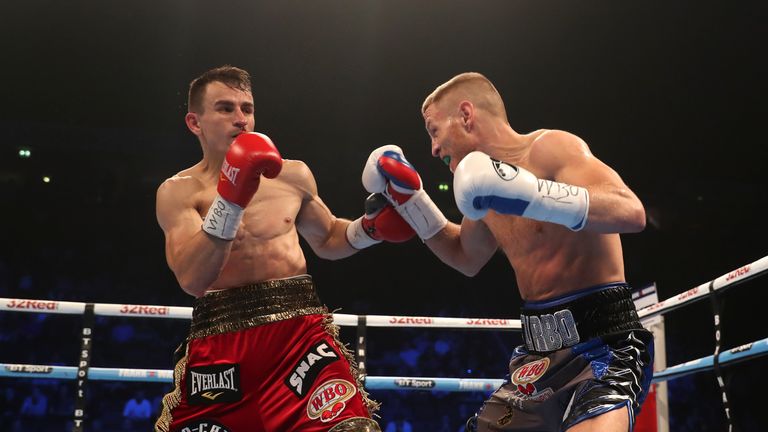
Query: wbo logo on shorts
{"x": 530, "y": 373}
{"x": 329, "y": 400}
{"x": 526, "y": 375}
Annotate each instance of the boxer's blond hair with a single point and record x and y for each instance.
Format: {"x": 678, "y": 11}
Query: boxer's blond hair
{"x": 231, "y": 76}
{"x": 471, "y": 86}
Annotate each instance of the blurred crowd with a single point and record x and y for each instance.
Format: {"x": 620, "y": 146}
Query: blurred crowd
{"x": 41, "y": 405}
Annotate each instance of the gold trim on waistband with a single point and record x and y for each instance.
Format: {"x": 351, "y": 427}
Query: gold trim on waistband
{"x": 253, "y": 305}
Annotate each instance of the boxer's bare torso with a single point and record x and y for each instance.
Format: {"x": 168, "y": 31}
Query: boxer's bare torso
{"x": 550, "y": 260}
{"x": 267, "y": 244}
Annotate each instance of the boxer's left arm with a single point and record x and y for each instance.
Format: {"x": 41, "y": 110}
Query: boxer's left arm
{"x": 613, "y": 206}
{"x": 324, "y": 232}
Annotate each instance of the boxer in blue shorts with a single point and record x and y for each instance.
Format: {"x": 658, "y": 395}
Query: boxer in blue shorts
{"x": 556, "y": 211}
{"x": 585, "y": 354}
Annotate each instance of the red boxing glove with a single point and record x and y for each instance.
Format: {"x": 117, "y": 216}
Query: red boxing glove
{"x": 249, "y": 156}
{"x": 381, "y": 222}
{"x": 404, "y": 181}
{"x": 387, "y": 171}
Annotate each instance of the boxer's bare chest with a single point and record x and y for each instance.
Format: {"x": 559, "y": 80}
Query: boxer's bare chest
{"x": 519, "y": 237}
{"x": 271, "y": 213}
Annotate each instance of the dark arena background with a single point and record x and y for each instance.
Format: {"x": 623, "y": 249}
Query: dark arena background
{"x": 671, "y": 95}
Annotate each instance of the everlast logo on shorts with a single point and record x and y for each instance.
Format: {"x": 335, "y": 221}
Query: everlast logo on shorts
{"x": 549, "y": 332}
{"x": 213, "y": 384}
{"x": 306, "y": 370}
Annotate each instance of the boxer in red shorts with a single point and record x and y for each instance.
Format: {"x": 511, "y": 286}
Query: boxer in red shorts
{"x": 262, "y": 354}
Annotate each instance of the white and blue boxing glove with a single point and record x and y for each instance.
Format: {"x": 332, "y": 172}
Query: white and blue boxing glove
{"x": 482, "y": 183}
{"x": 388, "y": 172}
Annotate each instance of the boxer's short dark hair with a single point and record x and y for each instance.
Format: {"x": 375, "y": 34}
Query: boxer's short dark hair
{"x": 231, "y": 76}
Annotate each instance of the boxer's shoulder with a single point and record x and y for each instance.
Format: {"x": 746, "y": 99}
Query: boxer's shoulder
{"x": 297, "y": 174}
{"x": 294, "y": 170}
{"x": 550, "y": 149}
{"x": 553, "y": 141}
{"x": 182, "y": 183}
{"x": 186, "y": 188}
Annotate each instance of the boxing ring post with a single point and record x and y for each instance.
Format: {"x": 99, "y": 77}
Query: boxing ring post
{"x": 654, "y": 417}
{"x": 83, "y": 371}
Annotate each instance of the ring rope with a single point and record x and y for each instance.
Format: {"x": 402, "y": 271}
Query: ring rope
{"x": 742, "y": 274}
{"x": 730, "y": 279}
{"x": 181, "y": 312}
{"x": 735, "y": 355}
{"x": 727, "y": 280}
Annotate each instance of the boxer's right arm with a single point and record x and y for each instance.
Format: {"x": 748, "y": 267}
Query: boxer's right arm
{"x": 195, "y": 257}
{"x": 197, "y": 248}
{"x": 466, "y": 247}
{"x": 387, "y": 171}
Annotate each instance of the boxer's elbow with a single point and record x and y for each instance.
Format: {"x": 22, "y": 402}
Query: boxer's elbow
{"x": 470, "y": 272}
{"x": 635, "y": 219}
{"x": 467, "y": 263}
{"x": 331, "y": 255}
{"x": 193, "y": 289}
{"x": 468, "y": 268}
{"x": 333, "y": 251}
{"x": 624, "y": 215}
{"x": 193, "y": 285}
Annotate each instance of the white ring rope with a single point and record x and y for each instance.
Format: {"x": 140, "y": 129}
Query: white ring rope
{"x": 727, "y": 280}
{"x": 180, "y": 312}
{"x": 751, "y": 350}
{"x": 735, "y": 277}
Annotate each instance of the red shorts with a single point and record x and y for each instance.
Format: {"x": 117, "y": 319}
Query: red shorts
{"x": 286, "y": 375}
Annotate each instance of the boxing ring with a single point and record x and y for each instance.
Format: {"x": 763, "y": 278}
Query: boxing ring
{"x": 650, "y": 311}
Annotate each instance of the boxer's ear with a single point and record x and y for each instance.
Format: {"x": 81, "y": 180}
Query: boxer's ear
{"x": 467, "y": 115}
{"x": 193, "y": 122}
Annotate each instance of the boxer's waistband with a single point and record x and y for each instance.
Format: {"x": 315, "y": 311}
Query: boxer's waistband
{"x": 564, "y": 321}
{"x": 254, "y": 305}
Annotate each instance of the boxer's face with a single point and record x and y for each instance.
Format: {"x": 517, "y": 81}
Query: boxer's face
{"x": 226, "y": 113}
{"x": 449, "y": 141}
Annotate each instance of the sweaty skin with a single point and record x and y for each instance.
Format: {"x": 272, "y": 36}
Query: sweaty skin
{"x": 548, "y": 259}
{"x": 467, "y": 114}
{"x": 266, "y": 246}
{"x": 267, "y": 242}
